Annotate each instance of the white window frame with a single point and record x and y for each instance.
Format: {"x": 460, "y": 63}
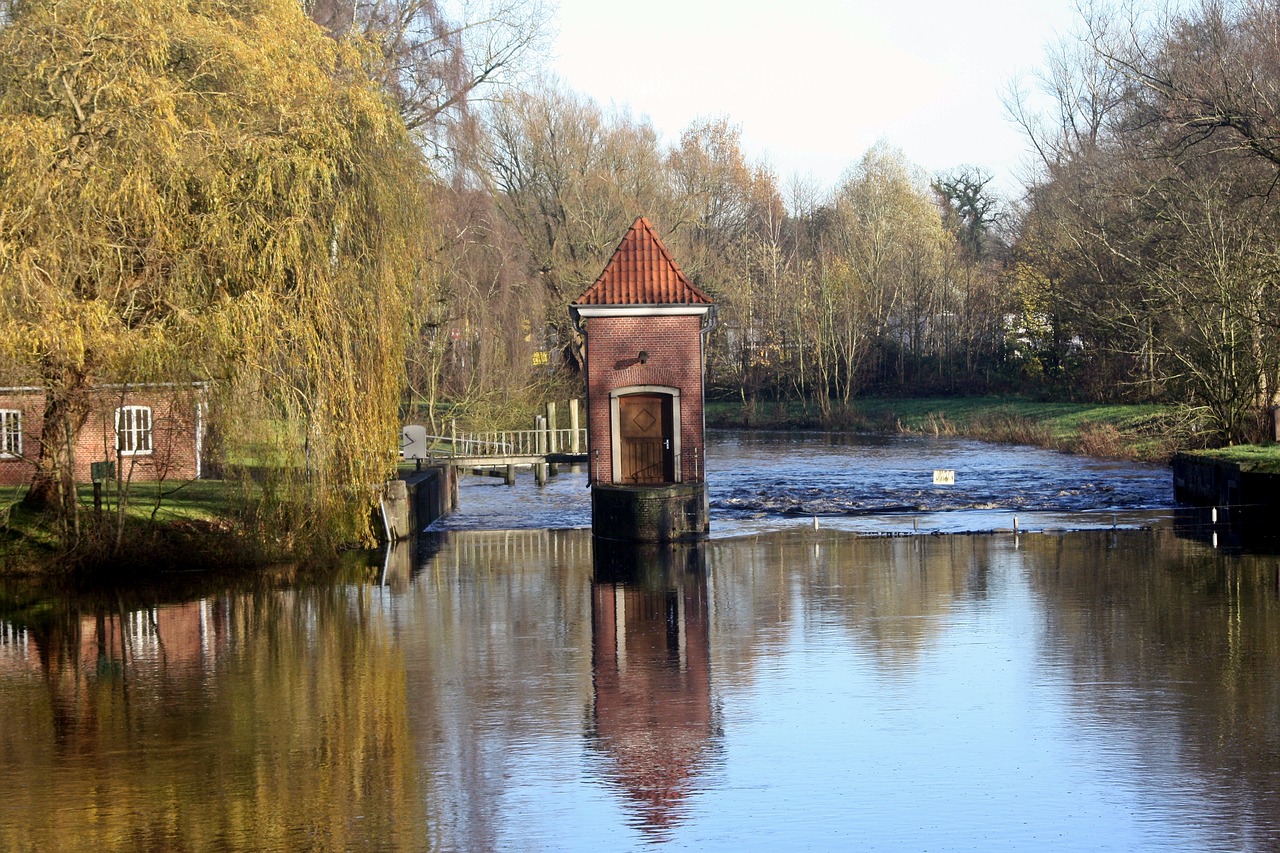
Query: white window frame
{"x": 10, "y": 433}
{"x": 130, "y": 430}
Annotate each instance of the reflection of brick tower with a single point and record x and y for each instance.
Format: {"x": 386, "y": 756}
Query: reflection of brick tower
{"x": 652, "y": 664}
{"x": 644, "y": 323}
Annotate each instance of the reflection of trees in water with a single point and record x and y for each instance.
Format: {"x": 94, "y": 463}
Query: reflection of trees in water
{"x": 1175, "y": 647}
{"x": 890, "y": 595}
{"x": 367, "y": 717}
{"x": 262, "y": 720}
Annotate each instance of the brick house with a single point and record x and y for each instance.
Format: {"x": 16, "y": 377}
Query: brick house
{"x": 152, "y": 432}
{"x": 644, "y": 324}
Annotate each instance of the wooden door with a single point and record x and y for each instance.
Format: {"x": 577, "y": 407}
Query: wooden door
{"x": 646, "y": 437}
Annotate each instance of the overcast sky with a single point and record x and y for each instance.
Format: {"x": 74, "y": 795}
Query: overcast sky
{"x": 814, "y": 83}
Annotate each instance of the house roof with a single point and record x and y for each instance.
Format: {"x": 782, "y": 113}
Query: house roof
{"x": 642, "y": 272}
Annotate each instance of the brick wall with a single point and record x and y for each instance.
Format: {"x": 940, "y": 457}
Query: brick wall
{"x": 173, "y": 453}
{"x": 16, "y": 472}
{"x": 674, "y": 345}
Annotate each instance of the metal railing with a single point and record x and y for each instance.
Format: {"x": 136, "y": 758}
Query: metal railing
{"x": 516, "y": 442}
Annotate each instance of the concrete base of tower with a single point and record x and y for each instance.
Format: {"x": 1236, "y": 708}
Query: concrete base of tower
{"x": 670, "y": 512}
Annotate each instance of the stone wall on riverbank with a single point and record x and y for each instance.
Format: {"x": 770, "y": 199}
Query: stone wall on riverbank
{"x": 1214, "y": 482}
{"x": 416, "y": 499}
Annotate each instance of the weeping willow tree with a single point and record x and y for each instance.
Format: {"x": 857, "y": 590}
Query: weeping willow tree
{"x": 210, "y": 190}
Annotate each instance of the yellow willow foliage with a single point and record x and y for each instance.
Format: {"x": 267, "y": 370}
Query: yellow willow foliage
{"x": 193, "y": 189}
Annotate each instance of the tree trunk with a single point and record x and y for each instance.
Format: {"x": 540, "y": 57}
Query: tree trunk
{"x": 53, "y": 487}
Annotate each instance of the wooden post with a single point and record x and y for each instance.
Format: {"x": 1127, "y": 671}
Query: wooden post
{"x": 540, "y": 468}
{"x": 575, "y": 446}
{"x": 453, "y": 487}
{"x": 453, "y": 436}
{"x": 551, "y": 427}
{"x": 510, "y": 479}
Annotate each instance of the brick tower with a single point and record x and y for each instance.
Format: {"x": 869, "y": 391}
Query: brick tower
{"x": 644, "y": 322}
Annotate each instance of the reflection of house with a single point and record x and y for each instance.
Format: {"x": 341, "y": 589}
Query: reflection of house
{"x": 82, "y": 650}
{"x": 152, "y": 432}
{"x": 652, "y": 664}
{"x": 16, "y": 653}
{"x": 176, "y": 636}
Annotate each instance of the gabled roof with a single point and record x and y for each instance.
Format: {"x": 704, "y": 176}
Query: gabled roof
{"x": 642, "y": 272}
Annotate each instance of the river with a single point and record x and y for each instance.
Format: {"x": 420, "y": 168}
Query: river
{"x": 868, "y": 484}
{"x": 510, "y": 686}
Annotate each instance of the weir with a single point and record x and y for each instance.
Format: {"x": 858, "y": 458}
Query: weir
{"x": 644, "y": 325}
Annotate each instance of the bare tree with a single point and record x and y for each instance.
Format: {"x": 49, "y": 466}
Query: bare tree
{"x": 569, "y": 179}
{"x": 1159, "y": 226}
{"x": 438, "y": 64}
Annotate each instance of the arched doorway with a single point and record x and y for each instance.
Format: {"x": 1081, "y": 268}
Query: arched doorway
{"x": 646, "y": 435}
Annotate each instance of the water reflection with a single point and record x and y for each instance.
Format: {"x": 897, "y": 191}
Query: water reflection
{"x": 1171, "y": 652}
{"x": 1236, "y": 530}
{"x": 260, "y": 719}
{"x": 525, "y": 690}
{"x": 86, "y": 657}
{"x": 651, "y": 668}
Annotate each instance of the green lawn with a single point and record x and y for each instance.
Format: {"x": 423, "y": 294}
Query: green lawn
{"x": 1263, "y": 458}
{"x": 200, "y": 501}
{"x": 179, "y": 500}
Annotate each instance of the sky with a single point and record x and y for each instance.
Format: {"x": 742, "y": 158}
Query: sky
{"x": 813, "y": 84}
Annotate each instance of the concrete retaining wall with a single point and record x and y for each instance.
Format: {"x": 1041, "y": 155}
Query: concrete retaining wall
{"x": 1212, "y": 482}
{"x": 416, "y": 499}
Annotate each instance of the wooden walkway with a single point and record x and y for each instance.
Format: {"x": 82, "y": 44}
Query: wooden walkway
{"x": 500, "y": 453}
{"x": 510, "y": 447}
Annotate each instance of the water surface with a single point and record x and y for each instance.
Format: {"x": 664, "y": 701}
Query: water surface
{"x": 870, "y": 484}
{"x": 788, "y": 689}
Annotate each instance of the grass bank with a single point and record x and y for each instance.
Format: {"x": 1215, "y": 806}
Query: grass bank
{"x": 1140, "y": 432}
{"x": 1263, "y": 459}
{"x": 167, "y": 525}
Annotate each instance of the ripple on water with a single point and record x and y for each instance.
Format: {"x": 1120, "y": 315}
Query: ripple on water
{"x": 758, "y": 479}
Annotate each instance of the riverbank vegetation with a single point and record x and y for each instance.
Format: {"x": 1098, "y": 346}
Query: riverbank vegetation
{"x": 1264, "y": 460}
{"x": 341, "y": 216}
{"x": 1146, "y": 432}
{"x": 1139, "y": 268}
{"x": 178, "y": 525}
{"x": 255, "y": 229}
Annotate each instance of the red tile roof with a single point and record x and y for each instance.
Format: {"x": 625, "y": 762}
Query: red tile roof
{"x": 642, "y": 272}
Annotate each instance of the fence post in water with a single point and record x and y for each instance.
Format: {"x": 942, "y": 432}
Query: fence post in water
{"x": 575, "y": 446}
{"x": 540, "y": 468}
{"x": 551, "y": 427}
{"x": 510, "y": 478}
